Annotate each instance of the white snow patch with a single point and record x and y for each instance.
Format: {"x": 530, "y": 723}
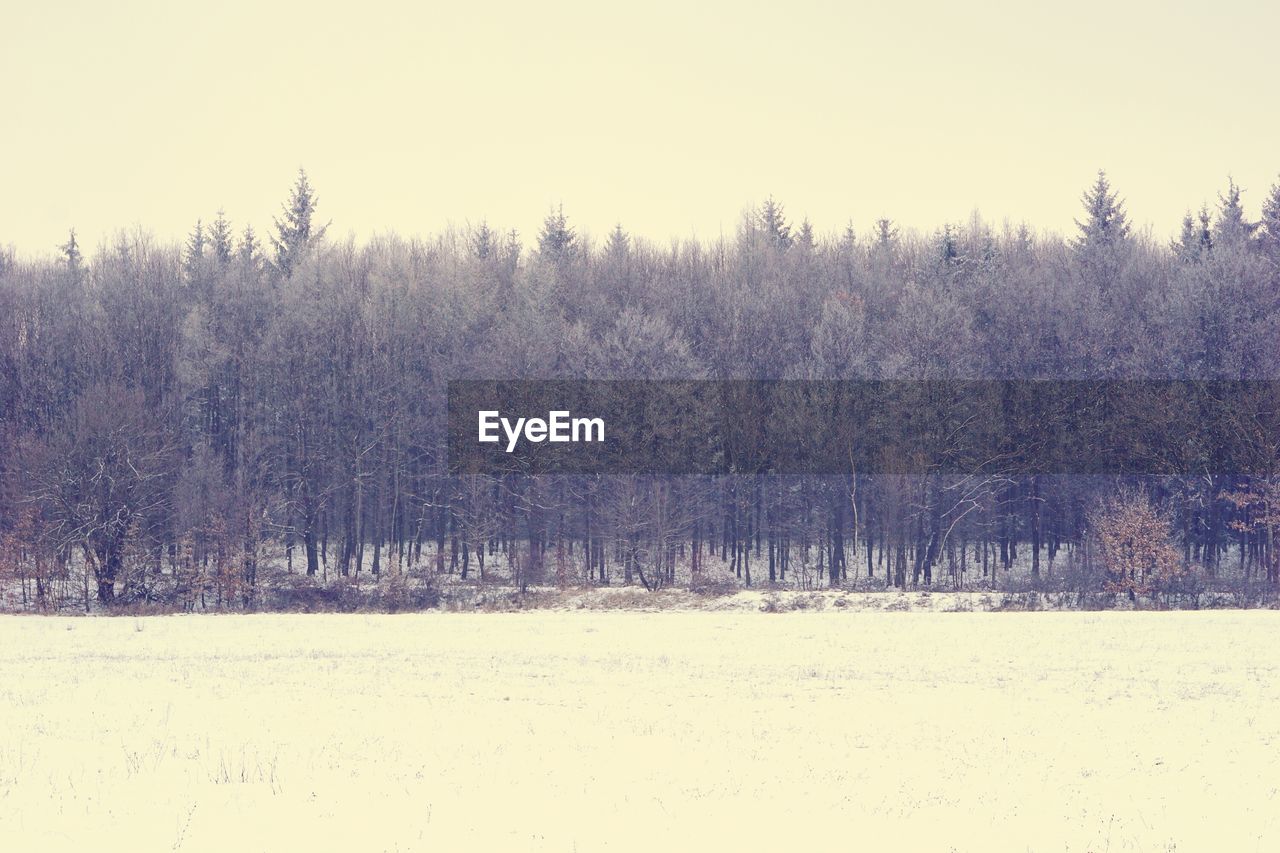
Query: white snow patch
{"x": 587, "y": 730}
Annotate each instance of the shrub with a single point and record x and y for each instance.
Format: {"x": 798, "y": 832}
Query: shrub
{"x": 1135, "y": 545}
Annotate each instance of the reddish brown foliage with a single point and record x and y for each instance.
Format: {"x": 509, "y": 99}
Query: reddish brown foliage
{"x": 1136, "y": 544}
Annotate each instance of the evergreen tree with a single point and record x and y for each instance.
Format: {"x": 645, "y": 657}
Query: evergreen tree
{"x": 249, "y": 248}
{"x": 986, "y": 247}
{"x": 1231, "y": 228}
{"x": 886, "y": 233}
{"x": 557, "y": 240}
{"x": 804, "y": 237}
{"x": 296, "y": 232}
{"x": 1270, "y": 225}
{"x": 1105, "y": 224}
{"x": 619, "y": 245}
{"x": 1186, "y": 246}
{"x": 220, "y": 236}
{"x": 948, "y": 250}
{"x": 771, "y": 219}
{"x": 1023, "y": 240}
{"x": 193, "y": 253}
{"x": 1196, "y": 238}
{"x": 483, "y": 241}
{"x": 71, "y": 256}
{"x": 849, "y": 238}
{"x": 1205, "y": 233}
{"x": 512, "y": 249}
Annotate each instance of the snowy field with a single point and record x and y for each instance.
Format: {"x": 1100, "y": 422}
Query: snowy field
{"x": 642, "y": 731}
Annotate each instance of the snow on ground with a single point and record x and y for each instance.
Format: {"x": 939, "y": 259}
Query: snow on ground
{"x": 588, "y": 731}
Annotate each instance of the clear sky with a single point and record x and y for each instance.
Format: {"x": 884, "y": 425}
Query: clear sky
{"x": 670, "y": 117}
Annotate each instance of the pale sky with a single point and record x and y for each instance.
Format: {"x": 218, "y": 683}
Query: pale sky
{"x": 670, "y": 117}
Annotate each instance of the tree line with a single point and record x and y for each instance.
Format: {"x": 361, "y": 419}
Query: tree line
{"x": 177, "y": 417}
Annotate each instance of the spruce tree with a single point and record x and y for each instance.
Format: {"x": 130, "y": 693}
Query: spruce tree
{"x": 849, "y": 238}
{"x": 220, "y": 237}
{"x": 1269, "y": 227}
{"x": 886, "y": 233}
{"x": 249, "y": 248}
{"x": 1231, "y": 227}
{"x": 1105, "y": 224}
{"x": 771, "y": 220}
{"x": 557, "y": 240}
{"x": 193, "y": 253}
{"x": 619, "y": 244}
{"x": 1196, "y": 238}
{"x": 71, "y": 256}
{"x": 297, "y": 232}
{"x": 1187, "y": 245}
{"x": 948, "y": 250}
{"x": 483, "y": 241}
{"x": 804, "y": 237}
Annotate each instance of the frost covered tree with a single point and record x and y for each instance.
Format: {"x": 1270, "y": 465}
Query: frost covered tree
{"x": 194, "y": 265}
{"x": 1231, "y": 227}
{"x": 1269, "y": 227}
{"x": 1106, "y": 224}
{"x": 1104, "y": 247}
{"x": 886, "y": 233}
{"x": 296, "y": 230}
{"x": 220, "y": 240}
{"x": 484, "y": 242}
{"x": 1196, "y": 237}
{"x": 772, "y": 222}
{"x": 250, "y": 250}
{"x": 618, "y": 246}
{"x": 72, "y": 259}
{"x": 557, "y": 241}
{"x": 804, "y": 236}
{"x": 102, "y": 479}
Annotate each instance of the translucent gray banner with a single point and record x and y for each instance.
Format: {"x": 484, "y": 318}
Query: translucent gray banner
{"x": 1014, "y": 427}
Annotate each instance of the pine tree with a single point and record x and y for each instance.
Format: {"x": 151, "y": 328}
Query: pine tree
{"x": 71, "y": 255}
{"x": 511, "y": 250}
{"x": 948, "y": 250}
{"x": 619, "y": 245}
{"x": 220, "y": 236}
{"x": 1196, "y": 238}
{"x": 886, "y": 233}
{"x": 804, "y": 237}
{"x": 296, "y": 232}
{"x": 1270, "y": 225}
{"x": 483, "y": 241}
{"x": 988, "y": 251}
{"x": 617, "y": 267}
{"x": 771, "y": 219}
{"x": 1106, "y": 223}
{"x": 557, "y": 241}
{"x": 1231, "y": 227}
{"x": 1023, "y": 240}
{"x": 1187, "y": 243}
{"x": 850, "y": 237}
{"x": 193, "y": 254}
{"x": 249, "y": 248}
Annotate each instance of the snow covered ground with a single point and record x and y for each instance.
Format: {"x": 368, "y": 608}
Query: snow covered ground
{"x": 566, "y": 731}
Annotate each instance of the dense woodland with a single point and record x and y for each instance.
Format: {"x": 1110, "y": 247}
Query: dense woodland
{"x": 181, "y": 423}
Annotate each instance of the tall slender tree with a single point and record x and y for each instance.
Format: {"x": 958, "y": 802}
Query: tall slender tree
{"x": 296, "y": 230}
{"x": 1105, "y": 224}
